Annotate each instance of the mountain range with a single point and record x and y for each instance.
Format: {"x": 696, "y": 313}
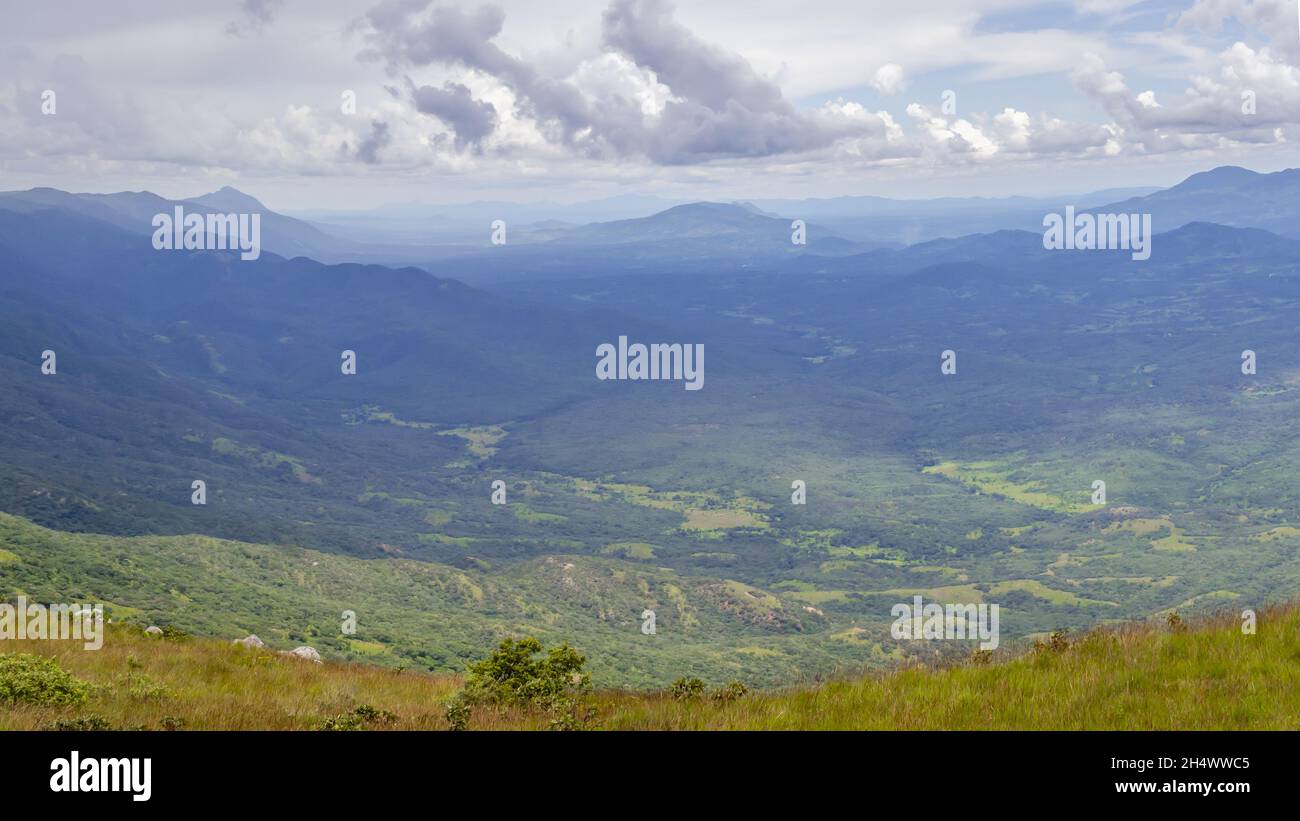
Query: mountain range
{"x": 456, "y": 240}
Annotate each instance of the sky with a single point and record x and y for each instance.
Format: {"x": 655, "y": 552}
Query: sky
{"x": 328, "y": 104}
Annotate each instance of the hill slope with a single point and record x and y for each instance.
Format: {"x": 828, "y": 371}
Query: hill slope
{"x": 423, "y": 615}
{"x": 1207, "y": 675}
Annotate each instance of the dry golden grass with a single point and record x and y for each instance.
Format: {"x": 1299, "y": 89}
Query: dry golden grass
{"x": 212, "y": 684}
{"x": 1204, "y": 675}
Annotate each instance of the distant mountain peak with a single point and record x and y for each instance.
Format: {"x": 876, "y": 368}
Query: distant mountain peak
{"x": 1218, "y": 176}
{"x": 228, "y": 198}
{"x": 754, "y": 209}
{"x": 705, "y": 208}
{"x": 704, "y": 205}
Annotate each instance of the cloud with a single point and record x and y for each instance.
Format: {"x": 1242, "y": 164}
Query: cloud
{"x": 368, "y": 151}
{"x": 471, "y": 120}
{"x": 645, "y": 32}
{"x": 713, "y": 104}
{"x": 720, "y": 106}
{"x": 632, "y": 93}
{"x": 1255, "y": 99}
{"x": 1006, "y": 136}
{"x": 254, "y": 16}
{"x": 1278, "y": 21}
{"x": 1104, "y": 6}
{"x": 888, "y": 79}
{"x": 407, "y": 34}
{"x": 660, "y": 93}
{"x": 101, "y": 125}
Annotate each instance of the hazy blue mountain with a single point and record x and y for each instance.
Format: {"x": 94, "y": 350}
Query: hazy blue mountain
{"x": 195, "y": 363}
{"x": 276, "y": 326}
{"x": 230, "y": 199}
{"x": 881, "y": 220}
{"x": 851, "y": 206}
{"x": 134, "y": 212}
{"x": 702, "y": 236}
{"x": 875, "y": 220}
{"x": 729, "y": 228}
{"x": 1227, "y": 195}
{"x": 283, "y": 235}
{"x": 469, "y": 223}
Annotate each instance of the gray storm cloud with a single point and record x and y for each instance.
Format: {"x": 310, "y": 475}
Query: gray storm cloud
{"x": 448, "y": 35}
{"x": 368, "y": 151}
{"x": 720, "y": 107}
{"x": 471, "y": 120}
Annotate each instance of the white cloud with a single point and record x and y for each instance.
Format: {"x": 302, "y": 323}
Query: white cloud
{"x": 1211, "y": 111}
{"x": 888, "y": 79}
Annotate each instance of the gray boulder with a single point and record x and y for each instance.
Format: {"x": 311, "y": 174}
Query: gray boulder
{"x": 250, "y": 641}
{"x": 305, "y": 653}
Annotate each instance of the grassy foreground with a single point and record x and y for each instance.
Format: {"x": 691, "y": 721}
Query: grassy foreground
{"x": 1201, "y": 675}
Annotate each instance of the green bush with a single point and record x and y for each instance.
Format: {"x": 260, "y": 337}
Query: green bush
{"x": 1056, "y": 643}
{"x": 141, "y": 687}
{"x": 362, "y": 717}
{"x": 733, "y": 691}
{"x": 86, "y": 723}
{"x": 38, "y": 680}
{"x": 571, "y": 714}
{"x": 513, "y": 675}
{"x": 686, "y": 688}
{"x": 457, "y": 712}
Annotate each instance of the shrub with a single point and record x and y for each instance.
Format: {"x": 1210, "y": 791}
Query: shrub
{"x": 341, "y": 722}
{"x": 373, "y": 715}
{"x": 362, "y": 717}
{"x": 513, "y": 675}
{"x": 141, "y": 687}
{"x": 733, "y": 691}
{"x": 686, "y": 688}
{"x": 1057, "y": 643}
{"x": 172, "y": 722}
{"x": 571, "y": 715}
{"x": 457, "y": 712}
{"x": 86, "y": 723}
{"x": 38, "y": 680}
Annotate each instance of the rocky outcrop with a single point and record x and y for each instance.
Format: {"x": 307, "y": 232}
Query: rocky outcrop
{"x": 305, "y": 653}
